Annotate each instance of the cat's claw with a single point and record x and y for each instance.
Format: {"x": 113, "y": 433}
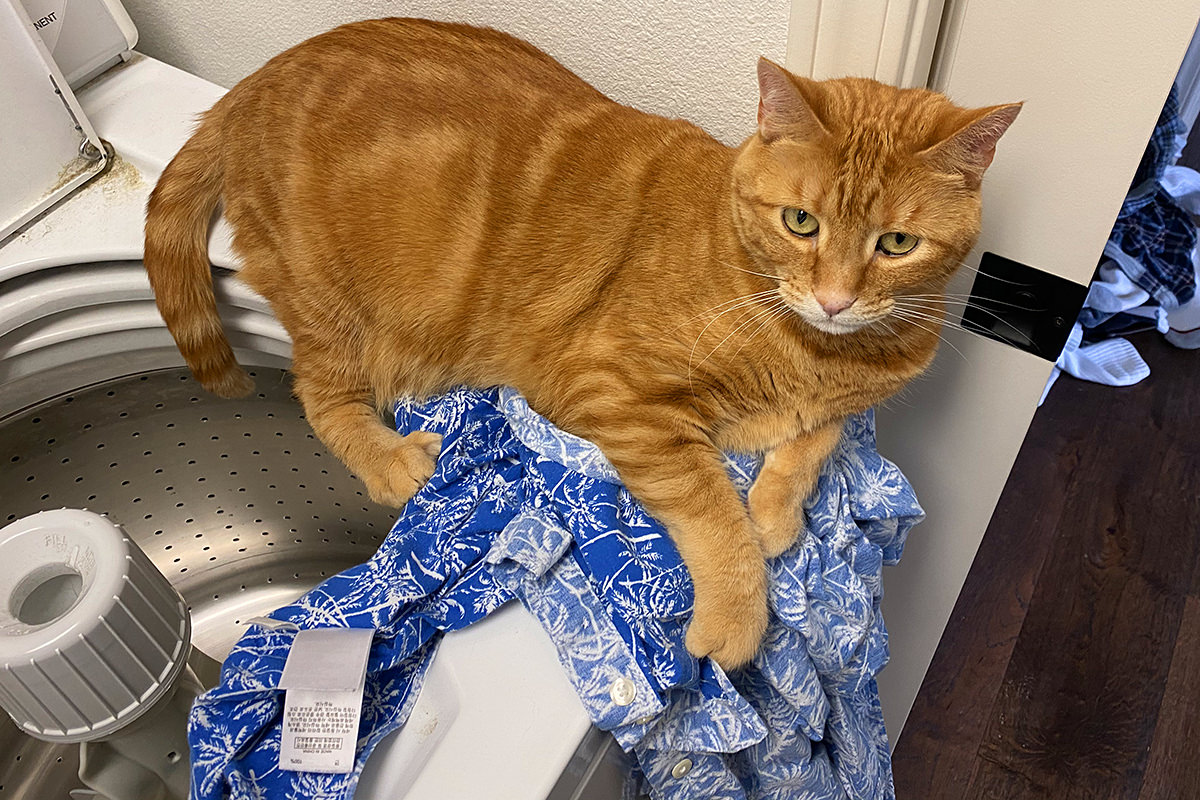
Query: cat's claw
{"x": 400, "y": 472}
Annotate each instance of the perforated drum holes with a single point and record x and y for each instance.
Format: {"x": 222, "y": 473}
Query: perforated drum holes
{"x": 240, "y": 524}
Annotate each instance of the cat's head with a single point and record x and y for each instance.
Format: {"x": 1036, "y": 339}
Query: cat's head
{"x": 856, "y": 194}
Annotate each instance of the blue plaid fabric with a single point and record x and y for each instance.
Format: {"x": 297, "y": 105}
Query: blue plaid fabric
{"x": 519, "y": 510}
{"x": 1153, "y": 240}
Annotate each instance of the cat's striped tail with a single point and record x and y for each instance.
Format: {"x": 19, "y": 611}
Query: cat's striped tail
{"x": 176, "y": 258}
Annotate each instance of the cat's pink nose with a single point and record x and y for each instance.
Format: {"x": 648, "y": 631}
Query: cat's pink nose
{"x": 834, "y": 303}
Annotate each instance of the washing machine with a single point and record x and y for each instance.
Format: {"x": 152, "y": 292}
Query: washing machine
{"x": 235, "y": 501}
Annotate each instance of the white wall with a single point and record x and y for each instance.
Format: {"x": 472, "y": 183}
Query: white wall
{"x": 693, "y": 59}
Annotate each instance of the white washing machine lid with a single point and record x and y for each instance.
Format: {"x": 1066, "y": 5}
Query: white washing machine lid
{"x": 146, "y": 110}
{"x": 75, "y": 304}
{"x": 49, "y": 147}
{"x": 500, "y": 719}
{"x": 85, "y": 37}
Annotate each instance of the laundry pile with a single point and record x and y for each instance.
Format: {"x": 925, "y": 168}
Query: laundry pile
{"x": 1147, "y": 278}
{"x": 519, "y": 510}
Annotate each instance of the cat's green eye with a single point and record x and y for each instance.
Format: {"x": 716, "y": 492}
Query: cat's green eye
{"x": 800, "y": 222}
{"x": 897, "y": 244}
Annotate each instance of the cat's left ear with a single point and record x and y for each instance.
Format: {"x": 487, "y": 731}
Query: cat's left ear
{"x": 971, "y": 148}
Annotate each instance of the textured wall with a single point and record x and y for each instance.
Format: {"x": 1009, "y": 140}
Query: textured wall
{"x": 689, "y": 58}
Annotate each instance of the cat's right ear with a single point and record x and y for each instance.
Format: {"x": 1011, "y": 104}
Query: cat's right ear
{"x": 970, "y": 150}
{"x": 782, "y": 107}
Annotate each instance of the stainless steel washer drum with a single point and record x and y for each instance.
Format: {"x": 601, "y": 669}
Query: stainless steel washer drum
{"x": 235, "y": 501}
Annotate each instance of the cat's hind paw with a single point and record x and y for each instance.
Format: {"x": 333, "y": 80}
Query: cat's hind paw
{"x": 402, "y": 469}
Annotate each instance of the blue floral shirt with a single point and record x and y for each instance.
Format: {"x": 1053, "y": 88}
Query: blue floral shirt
{"x": 518, "y": 509}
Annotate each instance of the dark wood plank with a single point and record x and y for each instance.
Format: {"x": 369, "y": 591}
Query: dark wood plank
{"x": 1053, "y": 669}
{"x": 1077, "y": 706}
{"x": 990, "y": 781}
{"x": 1077, "y": 714}
{"x": 1173, "y": 770}
{"x": 935, "y": 754}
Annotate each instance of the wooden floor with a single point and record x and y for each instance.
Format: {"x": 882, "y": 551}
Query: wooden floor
{"x": 1071, "y": 665}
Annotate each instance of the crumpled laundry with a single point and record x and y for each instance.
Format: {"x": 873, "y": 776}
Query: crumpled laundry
{"x": 1184, "y": 322}
{"x": 518, "y": 509}
{"x": 1113, "y": 362}
{"x": 1148, "y": 275}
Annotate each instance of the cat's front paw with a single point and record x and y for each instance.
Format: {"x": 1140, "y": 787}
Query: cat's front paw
{"x": 775, "y": 510}
{"x": 729, "y": 621}
{"x": 401, "y": 470}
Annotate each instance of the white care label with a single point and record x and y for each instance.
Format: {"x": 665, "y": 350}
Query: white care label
{"x": 323, "y": 691}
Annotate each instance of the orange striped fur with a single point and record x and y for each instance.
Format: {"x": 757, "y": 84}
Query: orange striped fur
{"x": 427, "y": 205}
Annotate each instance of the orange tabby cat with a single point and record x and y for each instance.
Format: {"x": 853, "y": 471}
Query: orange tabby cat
{"x": 427, "y": 205}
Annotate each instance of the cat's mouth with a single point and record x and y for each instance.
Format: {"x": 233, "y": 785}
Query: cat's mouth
{"x": 835, "y": 325}
{"x": 809, "y": 310}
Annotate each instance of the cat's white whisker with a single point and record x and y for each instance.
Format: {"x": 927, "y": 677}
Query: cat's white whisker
{"x": 743, "y": 300}
{"x": 997, "y": 317}
{"x": 734, "y": 332}
{"x": 963, "y": 300}
{"x": 751, "y": 272}
{"x": 935, "y": 318}
{"x": 909, "y": 314}
{"x": 780, "y": 310}
{"x": 902, "y": 316}
{"x": 747, "y": 303}
{"x": 959, "y": 307}
{"x": 989, "y": 276}
{"x": 887, "y": 323}
{"x": 950, "y": 324}
{"x": 731, "y": 334}
{"x": 695, "y": 344}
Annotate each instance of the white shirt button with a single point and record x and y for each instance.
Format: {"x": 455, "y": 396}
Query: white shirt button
{"x": 622, "y": 691}
{"x": 682, "y": 768}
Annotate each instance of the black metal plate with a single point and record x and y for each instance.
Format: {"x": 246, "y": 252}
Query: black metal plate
{"x": 1022, "y": 306}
